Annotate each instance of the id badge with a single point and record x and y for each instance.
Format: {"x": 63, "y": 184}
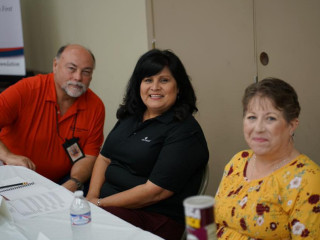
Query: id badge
{"x": 73, "y": 149}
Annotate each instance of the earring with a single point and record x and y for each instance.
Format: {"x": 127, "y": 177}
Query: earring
{"x": 291, "y": 137}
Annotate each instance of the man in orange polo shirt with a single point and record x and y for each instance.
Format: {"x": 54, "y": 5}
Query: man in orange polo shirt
{"x": 53, "y": 123}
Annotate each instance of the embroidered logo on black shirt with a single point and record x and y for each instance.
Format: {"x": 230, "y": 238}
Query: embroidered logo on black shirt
{"x": 145, "y": 139}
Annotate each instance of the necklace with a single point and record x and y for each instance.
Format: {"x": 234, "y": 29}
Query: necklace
{"x": 274, "y": 166}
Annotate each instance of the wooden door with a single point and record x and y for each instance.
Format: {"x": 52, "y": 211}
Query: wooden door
{"x": 288, "y": 31}
{"x": 214, "y": 40}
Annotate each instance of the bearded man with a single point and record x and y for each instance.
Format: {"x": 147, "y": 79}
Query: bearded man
{"x": 53, "y": 123}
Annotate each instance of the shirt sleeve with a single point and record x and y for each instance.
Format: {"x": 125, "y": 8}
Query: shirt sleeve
{"x": 11, "y": 102}
{"x": 228, "y": 169}
{"x": 183, "y": 154}
{"x": 95, "y": 138}
{"x": 304, "y": 195}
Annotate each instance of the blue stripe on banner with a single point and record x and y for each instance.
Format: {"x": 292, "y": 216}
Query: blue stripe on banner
{"x": 12, "y": 53}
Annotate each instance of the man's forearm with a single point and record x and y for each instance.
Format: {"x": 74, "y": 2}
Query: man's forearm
{"x": 82, "y": 169}
{"x": 80, "y": 173}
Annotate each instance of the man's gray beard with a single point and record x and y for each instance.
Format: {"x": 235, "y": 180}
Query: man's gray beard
{"x": 74, "y": 92}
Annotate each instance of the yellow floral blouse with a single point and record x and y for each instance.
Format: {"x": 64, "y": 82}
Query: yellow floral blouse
{"x": 283, "y": 205}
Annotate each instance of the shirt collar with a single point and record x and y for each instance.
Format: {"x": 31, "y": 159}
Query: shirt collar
{"x": 166, "y": 117}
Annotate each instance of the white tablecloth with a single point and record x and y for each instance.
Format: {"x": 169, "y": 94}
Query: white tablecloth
{"x": 56, "y": 225}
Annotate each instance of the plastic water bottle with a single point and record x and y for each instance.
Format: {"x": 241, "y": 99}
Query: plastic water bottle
{"x": 80, "y": 212}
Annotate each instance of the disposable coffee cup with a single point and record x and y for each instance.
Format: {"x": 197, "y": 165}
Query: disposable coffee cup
{"x": 199, "y": 218}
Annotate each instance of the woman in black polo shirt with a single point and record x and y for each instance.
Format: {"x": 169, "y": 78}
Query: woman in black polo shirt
{"x": 155, "y": 155}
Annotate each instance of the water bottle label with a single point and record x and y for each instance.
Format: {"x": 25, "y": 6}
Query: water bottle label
{"x": 80, "y": 219}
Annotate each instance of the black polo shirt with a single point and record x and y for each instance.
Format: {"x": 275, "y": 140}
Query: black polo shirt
{"x": 170, "y": 153}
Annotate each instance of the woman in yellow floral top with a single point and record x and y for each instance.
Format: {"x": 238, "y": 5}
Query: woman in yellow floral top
{"x": 271, "y": 191}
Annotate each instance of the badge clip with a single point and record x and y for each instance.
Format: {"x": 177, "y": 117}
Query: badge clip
{"x": 73, "y": 149}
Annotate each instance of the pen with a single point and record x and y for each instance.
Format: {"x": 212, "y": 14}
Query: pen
{"x": 13, "y": 185}
{"x": 5, "y": 197}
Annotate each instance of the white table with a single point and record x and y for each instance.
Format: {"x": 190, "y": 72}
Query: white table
{"x": 56, "y": 225}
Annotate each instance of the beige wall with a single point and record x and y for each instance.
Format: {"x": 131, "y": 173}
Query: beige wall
{"x": 220, "y": 42}
{"x": 114, "y": 30}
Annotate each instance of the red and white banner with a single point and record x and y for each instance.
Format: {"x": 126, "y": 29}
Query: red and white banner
{"x": 12, "y": 61}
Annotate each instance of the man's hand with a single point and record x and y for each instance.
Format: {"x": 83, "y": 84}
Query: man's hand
{"x": 11, "y": 159}
{"x": 70, "y": 185}
{"x": 18, "y": 160}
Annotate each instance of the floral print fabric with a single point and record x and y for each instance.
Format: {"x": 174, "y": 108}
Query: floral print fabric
{"x": 283, "y": 205}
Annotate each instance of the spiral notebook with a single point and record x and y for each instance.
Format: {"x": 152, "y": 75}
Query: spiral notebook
{"x": 15, "y": 186}
{"x": 19, "y": 188}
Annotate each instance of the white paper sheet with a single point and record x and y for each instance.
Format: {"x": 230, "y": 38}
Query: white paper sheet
{"x": 38, "y": 204}
{"x": 41, "y": 236}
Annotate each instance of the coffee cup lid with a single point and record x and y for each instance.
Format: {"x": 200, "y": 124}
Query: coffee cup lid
{"x": 200, "y": 201}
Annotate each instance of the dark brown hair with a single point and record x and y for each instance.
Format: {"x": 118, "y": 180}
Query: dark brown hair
{"x": 149, "y": 64}
{"x": 282, "y": 94}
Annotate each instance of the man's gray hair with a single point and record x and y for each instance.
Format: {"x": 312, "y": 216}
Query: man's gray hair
{"x": 61, "y": 49}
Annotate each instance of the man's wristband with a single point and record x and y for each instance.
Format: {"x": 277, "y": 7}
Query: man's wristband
{"x": 98, "y": 203}
{"x": 79, "y": 184}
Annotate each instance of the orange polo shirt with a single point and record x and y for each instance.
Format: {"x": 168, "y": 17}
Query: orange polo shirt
{"x": 28, "y": 119}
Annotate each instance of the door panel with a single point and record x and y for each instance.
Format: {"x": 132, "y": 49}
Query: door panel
{"x": 289, "y": 32}
{"x": 214, "y": 40}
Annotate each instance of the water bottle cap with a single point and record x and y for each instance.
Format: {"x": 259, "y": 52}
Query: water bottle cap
{"x": 78, "y": 193}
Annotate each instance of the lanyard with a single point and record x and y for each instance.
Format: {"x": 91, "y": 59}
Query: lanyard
{"x": 74, "y": 124}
